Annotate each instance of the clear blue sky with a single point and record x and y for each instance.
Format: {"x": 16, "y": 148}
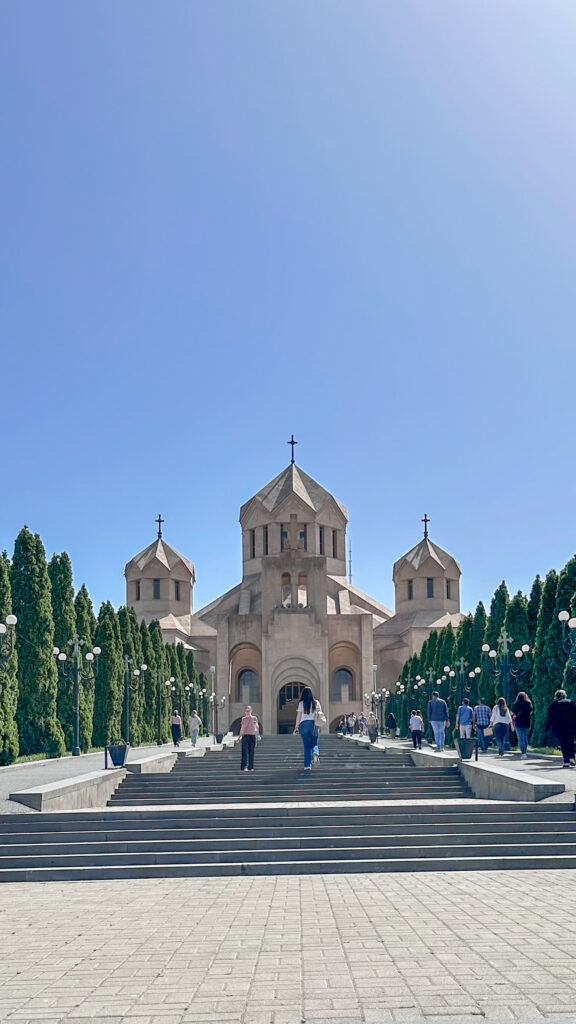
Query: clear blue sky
{"x": 223, "y": 222}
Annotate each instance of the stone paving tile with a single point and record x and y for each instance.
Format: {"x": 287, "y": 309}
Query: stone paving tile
{"x": 336, "y": 949}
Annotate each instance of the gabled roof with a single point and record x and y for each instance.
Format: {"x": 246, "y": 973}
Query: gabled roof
{"x": 165, "y": 554}
{"x": 293, "y": 480}
{"x": 420, "y": 554}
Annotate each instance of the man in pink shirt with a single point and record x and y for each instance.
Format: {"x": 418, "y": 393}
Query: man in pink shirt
{"x": 248, "y": 732}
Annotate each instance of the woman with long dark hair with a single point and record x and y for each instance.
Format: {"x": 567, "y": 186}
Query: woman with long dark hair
{"x": 309, "y": 712}
{"x": 501, "y": 720}
{"x": 522, "y": 712}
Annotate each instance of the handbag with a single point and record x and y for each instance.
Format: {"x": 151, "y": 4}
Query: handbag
{"x": 488, "y": 731}
{"x": 319, "y": 717}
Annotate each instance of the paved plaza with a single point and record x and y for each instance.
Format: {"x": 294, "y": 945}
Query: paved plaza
{"x": 432, "y": 947}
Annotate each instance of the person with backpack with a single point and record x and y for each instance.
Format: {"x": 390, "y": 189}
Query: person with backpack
{"x": 561, "y": 721}
{"x": 522, "y": 711}
{"x": 439, "y": 718}
{"x": 308, "y": 718}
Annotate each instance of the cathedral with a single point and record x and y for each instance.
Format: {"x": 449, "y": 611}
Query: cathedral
{"x": 295, "y": 619}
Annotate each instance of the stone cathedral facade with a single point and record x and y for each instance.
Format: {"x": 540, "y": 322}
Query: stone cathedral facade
{"x": 294, "y": 619}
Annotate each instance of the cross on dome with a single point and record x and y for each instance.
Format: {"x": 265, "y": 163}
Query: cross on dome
{"x": 292, "y": 442}
{"x": 159, "y": 521}
{"x": 425, "y": 521}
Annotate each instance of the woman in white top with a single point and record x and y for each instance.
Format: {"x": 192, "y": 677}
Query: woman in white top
{"x": 501, "y": 720}
{"x": 308, "y": 710}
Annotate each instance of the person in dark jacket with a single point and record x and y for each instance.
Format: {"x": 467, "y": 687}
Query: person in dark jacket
{"x": 522, "y": 711}
{"x": 561, "y": 720}
{"x": 391, "y": 724}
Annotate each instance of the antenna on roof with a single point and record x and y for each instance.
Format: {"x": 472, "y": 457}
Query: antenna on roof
{"x": 349, "y": 562}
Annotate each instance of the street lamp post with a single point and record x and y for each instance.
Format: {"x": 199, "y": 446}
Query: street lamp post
{"x": 78, "y": 673}
{"x": 130, "y": 686}
{"x": 568, "y": 639}
{"x": 499, "y": 662}
{"x": 212, "y": 700}
{"x": 7, "y": 640}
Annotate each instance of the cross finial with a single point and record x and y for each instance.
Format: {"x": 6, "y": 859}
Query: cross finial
{"x": 292, "y": 442}
{"x": 504, "y": 641}
{"x": 425, "y": 521}
{"x": 159, "y": 521}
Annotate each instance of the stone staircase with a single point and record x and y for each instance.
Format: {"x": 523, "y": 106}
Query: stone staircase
{"x": 346, "y": 772}
{"x": 341, "y": 817}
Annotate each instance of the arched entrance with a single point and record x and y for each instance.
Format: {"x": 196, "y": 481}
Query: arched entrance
{"x": 287, "y": 706}
{"x": 288, "y": 680}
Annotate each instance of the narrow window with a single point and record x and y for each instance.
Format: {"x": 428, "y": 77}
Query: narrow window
{"x": 252, "y": 543}
{"x": 286, "y": 590}
{"x": 137, "y": 590}
{"x": 302, "y": 590}
{"x": 156, "y": 590}
{"x": 448, "y": 590}
{"x": 429, "y": 588}
{"x": 410, "y": 590}
{"x": 176, "y": 591}
{"x": 321, "y": 540}
{"x": 304, "y": 538}
{"x": 265, "y": 540}
{"x": 334, "y": 543}
{"x": 283, "y": 536}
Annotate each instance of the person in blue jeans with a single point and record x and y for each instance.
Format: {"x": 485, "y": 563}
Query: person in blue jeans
{"x": 482, "y": 715}
{"x": 439, "y": 718}
{"x": 522, "y": 721}
{"x": 308, "y": 709}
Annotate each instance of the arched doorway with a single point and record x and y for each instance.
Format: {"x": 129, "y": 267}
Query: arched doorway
{"x": 287, "y": 706}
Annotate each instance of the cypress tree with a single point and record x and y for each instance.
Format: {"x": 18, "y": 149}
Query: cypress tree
{"x": 192, "y": 679}
{"x": 164, "y": 673}
{"x": 497, "y": 617}
{"x": 565, "y": 597}
{"x": 548, "y": 663}
{"x": 517, "y": 626}
{"x": 204, "y": 706}
{"x": 63, "y": 611}
{"x": 477, "y": 634}
{"x": 86, "y": 629}
{"x": 533, "y": 609}
{"x": 8, "y": 677}
{"x": 38, "y": 725}
{"x": 109, "y": 688}
{"x": 150, "y": 686}
{"x": 130, "y": 651}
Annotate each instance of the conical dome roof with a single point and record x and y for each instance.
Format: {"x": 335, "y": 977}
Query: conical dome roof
{"x": 421, "y": 553}
{"x": 293, "y": 480}
{"x": 162, "y": 552}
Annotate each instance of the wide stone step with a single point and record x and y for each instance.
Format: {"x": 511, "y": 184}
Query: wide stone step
{"x": 54, "y": 841}
{"x": 246, "y": 845}
{"x": 288, "y": 851}
{"x": 281, "y": 867}
{"x": 338, "y": 814}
